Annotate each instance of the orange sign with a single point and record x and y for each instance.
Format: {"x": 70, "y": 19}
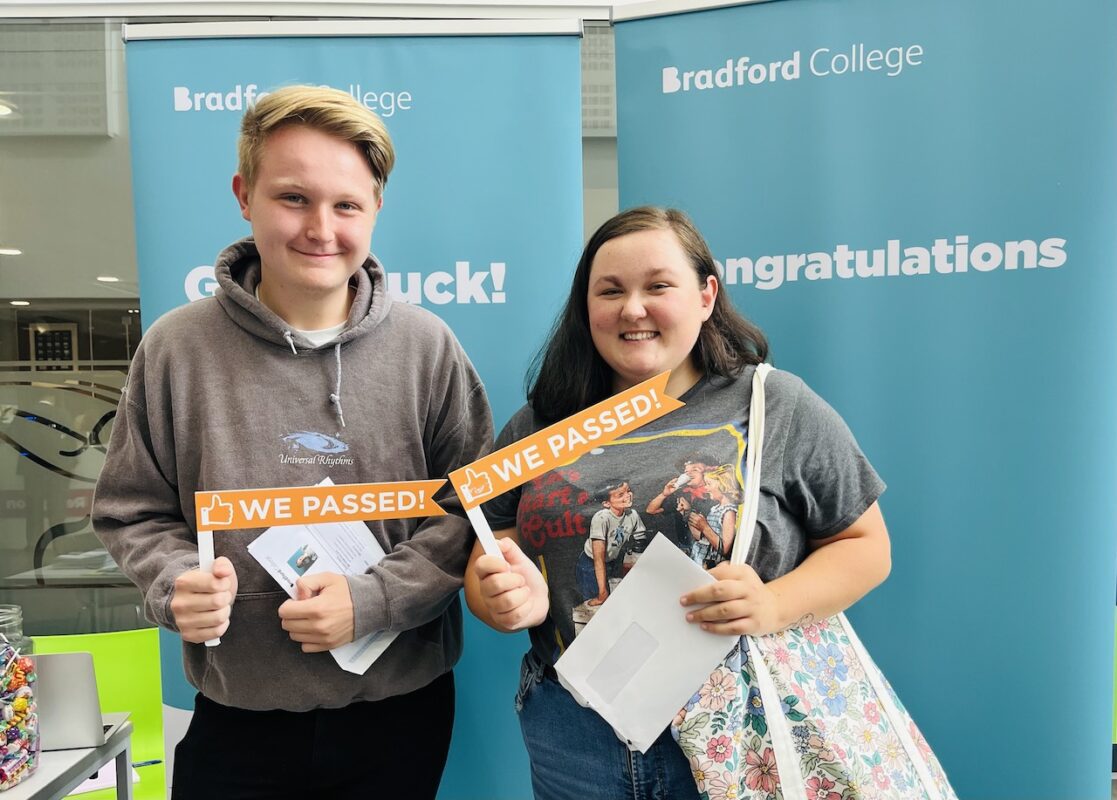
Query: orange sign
{"x": 563, "y": 442}
{"x": 302, "y": 505}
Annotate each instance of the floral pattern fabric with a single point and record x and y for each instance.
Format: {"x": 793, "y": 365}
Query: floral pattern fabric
{"x": 846, "y": 744}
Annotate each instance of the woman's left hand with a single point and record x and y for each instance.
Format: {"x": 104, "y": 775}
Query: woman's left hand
{"x": 739, "y": 602}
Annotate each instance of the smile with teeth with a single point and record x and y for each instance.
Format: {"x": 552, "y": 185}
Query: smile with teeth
{"x": 639, "y": 336}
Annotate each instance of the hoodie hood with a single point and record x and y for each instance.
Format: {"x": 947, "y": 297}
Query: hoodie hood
{"x": 238, "y": 274}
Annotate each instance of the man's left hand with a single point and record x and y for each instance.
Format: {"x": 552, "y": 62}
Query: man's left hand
{"x": 321, "y": 616}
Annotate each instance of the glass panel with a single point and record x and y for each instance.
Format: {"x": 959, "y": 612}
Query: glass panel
{"x": 54, "y": 425}
{"x": 69, "y": 316}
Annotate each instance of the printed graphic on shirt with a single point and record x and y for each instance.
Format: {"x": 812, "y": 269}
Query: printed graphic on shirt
{"x": 311, "y": 447}
{"x": 587, "y": 523}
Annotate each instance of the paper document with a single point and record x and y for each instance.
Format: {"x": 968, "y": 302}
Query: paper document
{"x": 288, "y": 552}
{"x": 638, "y": 661}
{"x": 103, "y": 778}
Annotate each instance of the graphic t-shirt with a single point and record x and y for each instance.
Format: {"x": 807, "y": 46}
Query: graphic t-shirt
{"x": 814, "y": 483}
{"x": 613, "y": 530}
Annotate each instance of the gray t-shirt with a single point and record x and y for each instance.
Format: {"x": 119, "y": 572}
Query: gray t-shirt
{"x": 815, "y": 482}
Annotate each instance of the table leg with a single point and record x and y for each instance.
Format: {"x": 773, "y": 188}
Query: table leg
{"x": 124, "y": 772}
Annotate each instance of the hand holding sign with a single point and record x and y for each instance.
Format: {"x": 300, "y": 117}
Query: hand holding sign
{"x": 215, "y": 514}
{"x": 202, "y": 601}
{"x": 512, "y": 588}
{"x": 296, "y": 505}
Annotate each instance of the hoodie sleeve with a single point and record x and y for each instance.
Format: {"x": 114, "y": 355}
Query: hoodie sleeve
{"x": 418, "y": 580}
{"x": 137, "y": 513}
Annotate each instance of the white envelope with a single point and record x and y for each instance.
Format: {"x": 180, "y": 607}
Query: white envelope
{"x": 638, "y": 661}
{"x": 345, "y": 548}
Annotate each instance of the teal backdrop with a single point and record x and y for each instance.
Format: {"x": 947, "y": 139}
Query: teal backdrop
{"x": 917, "y": 204}
{"x": 482, "y": 224}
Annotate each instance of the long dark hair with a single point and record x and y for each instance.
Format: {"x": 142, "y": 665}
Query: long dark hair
{"x": 568, "y": 374}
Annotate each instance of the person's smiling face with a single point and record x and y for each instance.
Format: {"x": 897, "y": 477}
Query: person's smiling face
{"x": 646, "y": 307}
{"x": 620, "y": 500}
{"x": 312, "y": 207}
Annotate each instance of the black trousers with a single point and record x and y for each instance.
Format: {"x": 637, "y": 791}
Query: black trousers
{"x": 393, "y": 748}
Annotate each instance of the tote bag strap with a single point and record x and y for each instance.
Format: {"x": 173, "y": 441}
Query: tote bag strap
{"x": 746, "y": 526}
{"x": 787, "y": 759}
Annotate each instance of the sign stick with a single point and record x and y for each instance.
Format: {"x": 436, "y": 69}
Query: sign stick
{"x": 483, "y": 531}
{"x": 205, "y": 564}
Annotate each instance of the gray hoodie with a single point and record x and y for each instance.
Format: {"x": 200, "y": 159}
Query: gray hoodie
{"x": 221, "y": 394}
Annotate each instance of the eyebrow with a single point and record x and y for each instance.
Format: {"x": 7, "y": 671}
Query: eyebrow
{"x": 290, "y": 185}
{"x": 654, "y": 273}
{"x": 287, "y": 183}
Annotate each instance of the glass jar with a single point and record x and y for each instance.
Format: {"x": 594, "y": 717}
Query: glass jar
{"x": 11, "y": 628}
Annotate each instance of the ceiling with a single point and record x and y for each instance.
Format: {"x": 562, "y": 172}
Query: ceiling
{"x": 65, "y": 182}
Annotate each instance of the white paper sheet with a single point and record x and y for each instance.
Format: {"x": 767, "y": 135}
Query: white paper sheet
{"x": 103, "y": 778}
{"x": 638, "y": 660}
{"x": 288, "y": 552}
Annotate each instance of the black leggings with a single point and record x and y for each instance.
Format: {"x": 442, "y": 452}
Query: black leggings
{"x": 392, "y": 748}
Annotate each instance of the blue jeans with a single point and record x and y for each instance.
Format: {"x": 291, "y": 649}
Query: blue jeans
{"x": 576, "y": 756}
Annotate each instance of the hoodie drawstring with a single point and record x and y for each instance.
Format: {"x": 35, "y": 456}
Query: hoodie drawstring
{"x": 335, "y": 395}
{"x": 335, "y": 398}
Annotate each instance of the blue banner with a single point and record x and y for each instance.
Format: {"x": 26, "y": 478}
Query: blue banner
{"x": 482, "y": 224}
{"x": 916, "y": 202}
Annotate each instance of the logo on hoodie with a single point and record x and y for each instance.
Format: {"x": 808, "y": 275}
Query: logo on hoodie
{"x": 323, "y": 449}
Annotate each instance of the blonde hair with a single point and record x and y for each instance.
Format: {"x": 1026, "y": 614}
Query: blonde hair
{"x": 331, "y": 111}
{"x": 725, "y": 479}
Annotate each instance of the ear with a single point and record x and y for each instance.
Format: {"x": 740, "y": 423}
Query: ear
{"x": 708, "y": 294}
{"x": 240, "y": 191}
{"x": 380, "y": 201}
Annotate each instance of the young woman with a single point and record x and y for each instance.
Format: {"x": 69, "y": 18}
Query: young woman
{"x": 646, "y": 298}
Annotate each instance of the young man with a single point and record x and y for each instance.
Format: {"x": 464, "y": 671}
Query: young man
{"x": 300, "y": 368}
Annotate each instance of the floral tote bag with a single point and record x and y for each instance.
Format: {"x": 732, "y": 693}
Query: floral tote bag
{"x": 803, "y": 714}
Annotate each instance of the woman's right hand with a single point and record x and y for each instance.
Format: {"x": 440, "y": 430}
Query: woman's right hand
{"x": 512, "y": 588}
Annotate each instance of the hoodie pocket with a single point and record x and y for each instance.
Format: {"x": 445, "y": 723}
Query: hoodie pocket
{"x": 254, "y": 655}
